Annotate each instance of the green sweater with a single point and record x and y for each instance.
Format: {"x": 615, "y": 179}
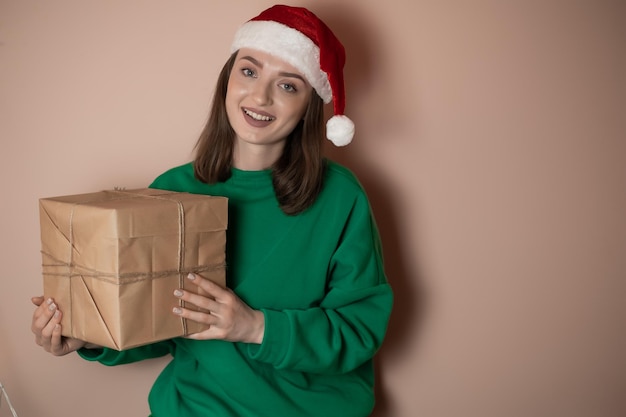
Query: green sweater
{"x": 318, "y": 278}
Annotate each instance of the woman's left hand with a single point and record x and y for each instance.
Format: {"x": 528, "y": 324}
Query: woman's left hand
{"x": 228, "y": 317}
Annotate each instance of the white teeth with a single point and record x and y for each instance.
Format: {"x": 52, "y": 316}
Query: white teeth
{"x": 257, "y": 116}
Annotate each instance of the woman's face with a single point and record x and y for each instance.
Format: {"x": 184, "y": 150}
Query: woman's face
{"x": 265, "y": 100}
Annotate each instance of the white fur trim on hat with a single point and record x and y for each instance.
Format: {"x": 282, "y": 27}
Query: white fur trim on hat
{"x": 288, "y": 44}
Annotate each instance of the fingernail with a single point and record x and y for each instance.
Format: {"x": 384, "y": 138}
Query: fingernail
{"x": 177, "y": 310}
{"x": 49, "y": 301}
{"x": 191, "y": 276}
{"x": 52, "y": 306}
{"x": 56, "y": 314}
{"x": 178, "y": 293}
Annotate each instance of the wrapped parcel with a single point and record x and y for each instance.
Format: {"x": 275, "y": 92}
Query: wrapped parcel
{"x": 112, "y": 260}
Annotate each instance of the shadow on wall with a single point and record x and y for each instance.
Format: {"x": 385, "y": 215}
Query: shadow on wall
{"x": 409, "y": 297}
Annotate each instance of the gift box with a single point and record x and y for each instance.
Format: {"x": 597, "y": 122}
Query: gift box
{"x": 112, "y": 260}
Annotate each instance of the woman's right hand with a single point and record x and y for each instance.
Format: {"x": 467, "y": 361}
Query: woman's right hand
{"x": 46, "y": 326}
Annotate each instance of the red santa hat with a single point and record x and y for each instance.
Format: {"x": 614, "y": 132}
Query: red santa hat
{"x": 299, "y": 37}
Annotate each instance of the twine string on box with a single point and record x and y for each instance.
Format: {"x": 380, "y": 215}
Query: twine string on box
{"x": 122, "y": 278}
{"x": 69, "y": 266}
{"x": 181, "y": 257}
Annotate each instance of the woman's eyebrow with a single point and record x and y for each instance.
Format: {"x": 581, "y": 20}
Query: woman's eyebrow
{"x": 282, "y": 73}
{"x": 253, "y": 60}
{"x": 292, "y": 75}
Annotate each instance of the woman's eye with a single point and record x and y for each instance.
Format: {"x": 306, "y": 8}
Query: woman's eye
{"x": 247, "y": 72}
{"x": 289, "y": 87}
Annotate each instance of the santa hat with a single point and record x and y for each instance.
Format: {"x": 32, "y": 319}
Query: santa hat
{"x": 297, "y": 36}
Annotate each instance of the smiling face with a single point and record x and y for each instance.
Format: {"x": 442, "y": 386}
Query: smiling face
{"x": 265, "y": 100}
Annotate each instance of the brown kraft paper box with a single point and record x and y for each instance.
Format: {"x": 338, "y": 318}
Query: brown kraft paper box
{"x": 112, "y": 260}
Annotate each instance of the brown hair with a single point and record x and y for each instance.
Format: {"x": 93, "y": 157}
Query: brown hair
{"x": 297, "y": 175}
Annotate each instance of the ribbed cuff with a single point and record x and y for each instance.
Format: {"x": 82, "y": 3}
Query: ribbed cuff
{"x": 276, "y": 340}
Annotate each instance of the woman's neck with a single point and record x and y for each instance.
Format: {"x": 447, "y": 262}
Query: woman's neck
{"x": 255, "y": 157}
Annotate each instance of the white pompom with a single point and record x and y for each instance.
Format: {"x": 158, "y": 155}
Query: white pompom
{"x": 340, "y": 130}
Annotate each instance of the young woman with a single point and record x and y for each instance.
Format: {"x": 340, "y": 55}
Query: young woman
{"x": 307, "y": 301}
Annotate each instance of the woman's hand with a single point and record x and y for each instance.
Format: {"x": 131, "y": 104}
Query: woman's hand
{"x": 228, "y": 317}
{"x": 46, "y": 326}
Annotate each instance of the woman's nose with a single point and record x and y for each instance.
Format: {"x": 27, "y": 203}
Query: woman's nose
{"x": 262, "y": 92}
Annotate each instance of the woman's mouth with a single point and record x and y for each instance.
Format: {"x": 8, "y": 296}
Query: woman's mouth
{"x": 257, "y": 116}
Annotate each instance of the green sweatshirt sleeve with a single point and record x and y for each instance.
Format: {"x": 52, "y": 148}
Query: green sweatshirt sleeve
{"x": 111, "y": 357}
{"x": 349, "y": 325}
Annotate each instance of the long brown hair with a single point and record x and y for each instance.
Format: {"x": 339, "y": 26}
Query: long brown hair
{"x": 297, "y": 175}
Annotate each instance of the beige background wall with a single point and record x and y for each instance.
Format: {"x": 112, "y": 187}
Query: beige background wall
{"x": 491, "y": 139}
